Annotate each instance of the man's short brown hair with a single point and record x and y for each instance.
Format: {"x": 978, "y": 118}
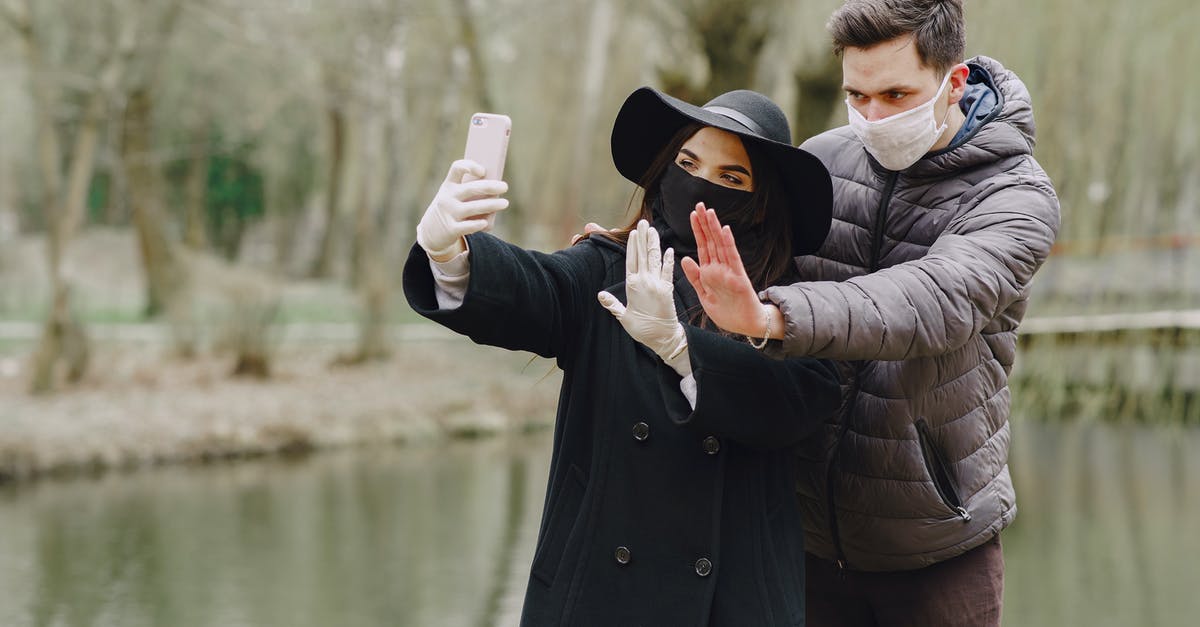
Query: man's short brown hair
{"x": 937, "y": 27}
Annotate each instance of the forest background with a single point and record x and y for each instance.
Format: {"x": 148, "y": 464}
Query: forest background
{"x": 205, "y": 204}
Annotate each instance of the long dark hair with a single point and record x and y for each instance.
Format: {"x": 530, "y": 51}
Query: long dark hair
{"x": 769, "y": 223}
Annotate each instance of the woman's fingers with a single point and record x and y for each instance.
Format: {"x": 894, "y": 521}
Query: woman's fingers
{"x": 468, "y": 227}
{"x": 653, "y": 252}
{"x": 462, "y": 167}
{"x": 480, "y": 189}
{"x": 631, "y": 255}
{"x": 480, "y": 207}
{"x": 610, "y": 302}
{"x": 668, "y": 266}
{"x": 643, "y": 247}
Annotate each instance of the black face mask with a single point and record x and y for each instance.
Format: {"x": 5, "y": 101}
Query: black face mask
{"x": 678, "y": 194}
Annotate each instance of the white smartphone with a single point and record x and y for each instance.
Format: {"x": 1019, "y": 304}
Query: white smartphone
{"x": 487, "y": 145}
{"x": 487, "y": 142}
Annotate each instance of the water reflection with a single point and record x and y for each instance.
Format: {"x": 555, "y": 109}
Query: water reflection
{"x": 1106, "y": 535}
{"x": 395, "y": 537}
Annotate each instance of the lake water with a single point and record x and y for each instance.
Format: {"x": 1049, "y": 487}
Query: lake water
{"x": 1108, "y": 534}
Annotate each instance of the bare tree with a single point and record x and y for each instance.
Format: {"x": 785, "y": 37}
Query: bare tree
{"x": 63, "y": 338}
{"x": 144, "y": 174}
{"x": 336, "y": 129}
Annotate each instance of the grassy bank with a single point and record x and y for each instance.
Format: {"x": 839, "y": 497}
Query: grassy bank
{"x": 141, "y": 407}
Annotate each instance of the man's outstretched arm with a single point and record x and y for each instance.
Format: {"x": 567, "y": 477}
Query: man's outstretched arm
{"x": 979, "y": 266}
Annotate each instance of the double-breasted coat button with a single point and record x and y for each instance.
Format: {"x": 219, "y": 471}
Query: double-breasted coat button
{"x": 622, "y": 555}
{"x": 711, "y": 445}
{"x": 703, "y": 567}
{"x": 641, "y": 431}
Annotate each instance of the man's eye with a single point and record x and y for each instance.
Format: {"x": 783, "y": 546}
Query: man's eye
{"x": 856, "y": 96}
{"x": 895, "y": 95}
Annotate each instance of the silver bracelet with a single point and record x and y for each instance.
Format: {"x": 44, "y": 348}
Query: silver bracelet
{"x": 766, "y": 334}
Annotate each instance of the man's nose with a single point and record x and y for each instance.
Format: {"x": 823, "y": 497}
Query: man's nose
{"x": 874, "y": 111}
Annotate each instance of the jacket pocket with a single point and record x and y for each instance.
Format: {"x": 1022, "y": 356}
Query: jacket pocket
{"x": 939, "y": 471}
{"x": 564, "y": 514}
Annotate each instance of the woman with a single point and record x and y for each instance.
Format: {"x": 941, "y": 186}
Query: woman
{"x": 670, "y": 498}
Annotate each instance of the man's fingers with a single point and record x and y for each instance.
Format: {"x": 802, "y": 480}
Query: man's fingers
{"x": 692, "y": 272}
{"x": 700, "y": 232}
{"x": 610, "y": 302}
{"x": 729, "y": 251}
{"x": 588, "y": 229}
{"x": 712, "y": 236}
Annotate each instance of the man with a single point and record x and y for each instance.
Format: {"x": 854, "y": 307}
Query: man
{"x": 941, "y": 218}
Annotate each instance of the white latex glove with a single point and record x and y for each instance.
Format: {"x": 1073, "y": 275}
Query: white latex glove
{"x": 460, "y": 208}
{"x": 650, "y": 316}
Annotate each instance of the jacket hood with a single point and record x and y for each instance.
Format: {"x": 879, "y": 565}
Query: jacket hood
{"x": 1010, "y": 131}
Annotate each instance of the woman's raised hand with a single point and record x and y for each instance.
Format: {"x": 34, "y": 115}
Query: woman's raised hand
{"x": 720, "y": 280}
{"x": 650, "y": 316}
{"x": 459, "y": 209}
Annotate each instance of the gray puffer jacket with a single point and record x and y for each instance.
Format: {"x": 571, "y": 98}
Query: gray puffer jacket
{"x": 919, "y": 290}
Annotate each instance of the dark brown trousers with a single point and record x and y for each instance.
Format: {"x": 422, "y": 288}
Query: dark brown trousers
{"x": 963, "y": 591}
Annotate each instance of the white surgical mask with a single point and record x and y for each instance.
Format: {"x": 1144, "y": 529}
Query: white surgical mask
{"x": 900, "y": 140}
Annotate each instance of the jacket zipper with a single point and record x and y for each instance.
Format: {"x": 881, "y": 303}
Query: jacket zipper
{"x": 881, "y": 219}
{"x": 885, "y": 201}
{"x": 936, "y": 466}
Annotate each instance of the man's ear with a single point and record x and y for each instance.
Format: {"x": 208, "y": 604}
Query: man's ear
{"x": 958, "y": 82}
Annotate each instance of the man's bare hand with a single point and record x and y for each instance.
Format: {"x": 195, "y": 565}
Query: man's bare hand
{"x": 588, "y": 229}
{"x": 720, "y": 280}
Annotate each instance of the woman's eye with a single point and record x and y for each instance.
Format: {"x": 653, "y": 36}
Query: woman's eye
{"x": 732, "y": 180}
{"x": 686, "y": 164}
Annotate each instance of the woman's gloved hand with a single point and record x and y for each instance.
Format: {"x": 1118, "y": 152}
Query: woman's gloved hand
{"x": 460, "y": 208}
{"x": 650, "y": 316}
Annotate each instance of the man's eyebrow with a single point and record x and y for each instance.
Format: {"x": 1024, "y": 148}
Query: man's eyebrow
{"x": 733, "y": 167}
{"x": 904, "y": 88}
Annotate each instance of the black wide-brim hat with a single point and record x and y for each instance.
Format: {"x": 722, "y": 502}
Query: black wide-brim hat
{"x": 649, "y": 120}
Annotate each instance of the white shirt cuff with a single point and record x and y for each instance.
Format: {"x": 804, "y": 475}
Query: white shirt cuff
{"x": 687, "y": 385}
{"x": 450, "y": 280}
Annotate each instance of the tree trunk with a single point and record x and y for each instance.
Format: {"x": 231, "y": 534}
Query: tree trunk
{"x": 818, "y": 92}
{"x": 514, "y": 216}
{"x": 63, "y": 337}
{"x": 323, "y": 267}
{"x": 8, "y": 203}
{"x": 116, "y": 208}
{"x": 591, "y": 86}
{"x": 146, "y": 200}
{"x": 195, "y": 230}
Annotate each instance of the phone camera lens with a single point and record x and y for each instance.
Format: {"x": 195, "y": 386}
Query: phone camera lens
{"x": 477, "y": 121}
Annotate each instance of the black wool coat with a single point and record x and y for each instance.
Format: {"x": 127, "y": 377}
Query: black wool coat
{"x": 655, "y": 514}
